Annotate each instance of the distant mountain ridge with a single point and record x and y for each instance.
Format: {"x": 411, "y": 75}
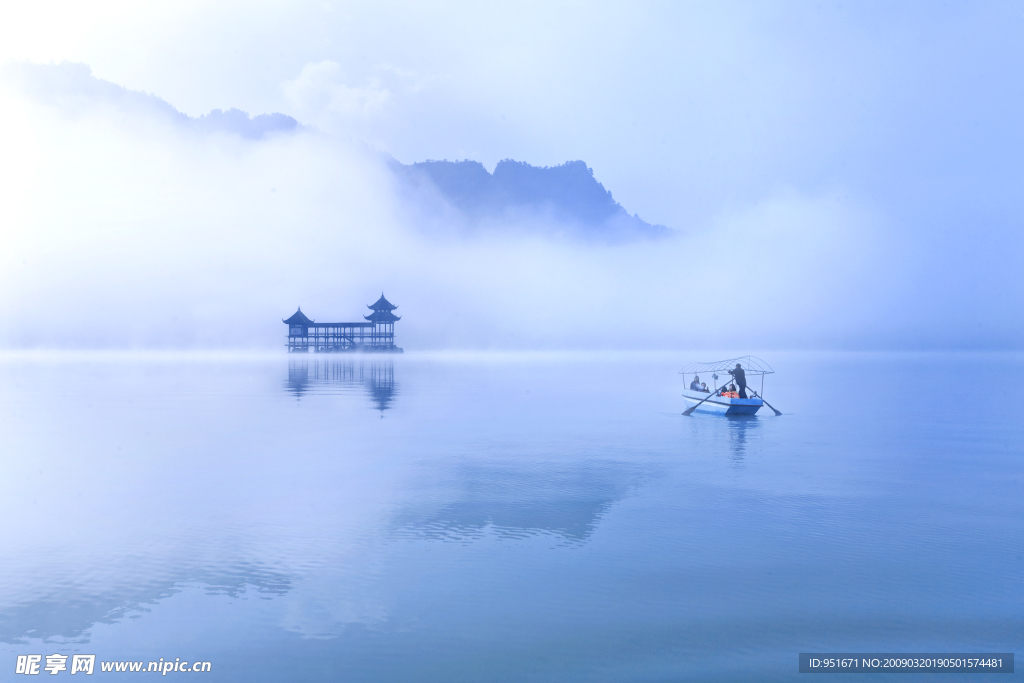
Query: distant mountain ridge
{"x": 567, "y": 194}
{"x": 72, "y": 86}
{"x": 463, "y": 195}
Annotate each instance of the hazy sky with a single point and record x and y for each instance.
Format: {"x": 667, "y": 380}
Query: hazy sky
{"x": 853, "y": 170}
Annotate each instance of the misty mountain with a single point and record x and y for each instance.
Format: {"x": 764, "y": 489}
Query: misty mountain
{"x": 239, "y": 122}
{"x": 565, "y": 197}
{"x": 73, "y": 88}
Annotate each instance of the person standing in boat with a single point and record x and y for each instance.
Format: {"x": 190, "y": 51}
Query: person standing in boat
{"x": 695, "y": 384}
{"x": 741, "y": 379}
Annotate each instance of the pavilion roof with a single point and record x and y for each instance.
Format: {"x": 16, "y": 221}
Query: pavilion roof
{"x": 380, "y": 316}
{"x": 382, "y": 304}
{"x": 298, "y": 318}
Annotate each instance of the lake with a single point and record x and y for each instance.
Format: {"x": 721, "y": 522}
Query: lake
{"x": 506, "y": 517}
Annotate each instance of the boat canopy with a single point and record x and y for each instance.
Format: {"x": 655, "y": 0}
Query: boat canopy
{"x": 752, "y": 365}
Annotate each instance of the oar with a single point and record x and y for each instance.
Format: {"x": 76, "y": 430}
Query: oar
{"x": 777, "y": 413}
{"x": 690, "y": 410}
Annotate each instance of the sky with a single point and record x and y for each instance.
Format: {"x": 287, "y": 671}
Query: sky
{"x": 841, "y": 175}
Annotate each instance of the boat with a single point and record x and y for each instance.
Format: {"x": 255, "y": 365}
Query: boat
{"x": 717, "y": 399}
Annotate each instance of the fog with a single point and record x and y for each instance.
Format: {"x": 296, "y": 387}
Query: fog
{"x": 815, "y": 202}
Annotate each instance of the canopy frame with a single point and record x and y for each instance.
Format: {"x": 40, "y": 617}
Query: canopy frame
{"x": 752, "y": 365}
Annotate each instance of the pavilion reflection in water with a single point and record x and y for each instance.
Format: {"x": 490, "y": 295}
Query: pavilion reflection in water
{"x": 334, "y": 376}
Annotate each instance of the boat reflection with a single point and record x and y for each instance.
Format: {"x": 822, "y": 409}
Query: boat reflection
{"x": 333, "y": 376}
{"x": 741, "y": 427}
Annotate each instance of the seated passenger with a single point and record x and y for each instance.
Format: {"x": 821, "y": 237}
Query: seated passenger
{"x": 704, "y": 387}
{"x": 695, "y": 384}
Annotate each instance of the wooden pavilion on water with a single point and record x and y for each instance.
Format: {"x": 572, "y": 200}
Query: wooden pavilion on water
{"x": 377, "y": 334}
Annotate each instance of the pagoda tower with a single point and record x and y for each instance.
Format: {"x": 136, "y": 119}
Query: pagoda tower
{"x": 383, "y": 335}
{"x": 298, "y": 331}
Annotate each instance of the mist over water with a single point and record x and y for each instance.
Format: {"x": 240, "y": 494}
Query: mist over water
{"x": 567, "y": 202}
{"x": 130, "y": 225}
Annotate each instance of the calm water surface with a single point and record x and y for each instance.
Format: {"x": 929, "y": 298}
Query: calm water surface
{"x": 506, "y": 518}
